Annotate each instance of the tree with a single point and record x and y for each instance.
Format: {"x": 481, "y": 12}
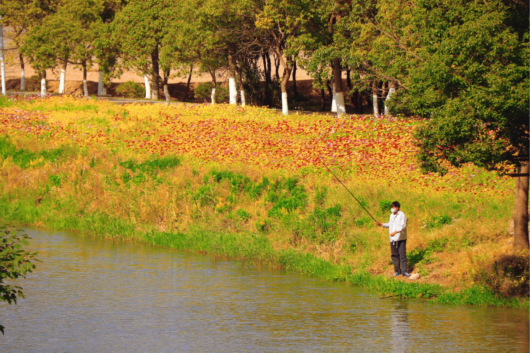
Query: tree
{"x": 138, "y": 31}
{"x": 465, "y": 66}
{"x": 19, "y": 16}
{"x": 286, "y": 23}
{"x": 15, "y": 262}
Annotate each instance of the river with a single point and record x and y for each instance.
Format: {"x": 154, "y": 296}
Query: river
{"x": 95, "y": 295}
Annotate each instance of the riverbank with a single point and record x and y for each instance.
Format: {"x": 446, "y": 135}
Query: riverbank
{"x": 249, "y": 247}
{"x": 246, "y": 184}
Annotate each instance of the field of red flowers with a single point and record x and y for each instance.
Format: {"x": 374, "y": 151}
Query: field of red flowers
{"x": 362, "y": 149}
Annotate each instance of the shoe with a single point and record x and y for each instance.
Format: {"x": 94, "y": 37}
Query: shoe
{"x": 396, "y": 274}
{"x": 406, "y": 274}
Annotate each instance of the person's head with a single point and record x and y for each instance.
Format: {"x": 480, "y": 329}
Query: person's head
{"x": 394, "y": 206}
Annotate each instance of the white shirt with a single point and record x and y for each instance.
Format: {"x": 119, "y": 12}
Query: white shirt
{"x": 397, "y": 223}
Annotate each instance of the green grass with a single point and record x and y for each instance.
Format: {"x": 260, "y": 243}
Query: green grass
{"x": 241, "y": 246}
{"x": 24, "y": 158}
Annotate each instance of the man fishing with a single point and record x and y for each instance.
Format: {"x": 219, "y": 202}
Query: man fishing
{"x": 397, "y": 229}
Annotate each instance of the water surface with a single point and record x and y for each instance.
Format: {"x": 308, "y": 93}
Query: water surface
{"x": 93, "y": 295}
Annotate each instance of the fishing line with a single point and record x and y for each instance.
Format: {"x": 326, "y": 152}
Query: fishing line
{"x": 329, "y": 170}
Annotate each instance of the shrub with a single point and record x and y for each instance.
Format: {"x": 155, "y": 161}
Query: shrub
{"x": 33, "y": 83}
{"x": 244, "y": 215}
{"x": 204, "y": 91}
{"x": 152, "y": 165}
{"x": 385, "y": 206}
{"x": 25, "y": 159}
{"x": 438, "y": 221}
{"x": 320, "y": 195}
{"x": 130, "y": 89}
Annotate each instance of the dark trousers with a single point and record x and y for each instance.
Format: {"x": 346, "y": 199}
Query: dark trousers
{"x": 399, "y": 256}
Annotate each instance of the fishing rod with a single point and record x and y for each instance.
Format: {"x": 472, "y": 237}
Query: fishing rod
{"x": 329, "y": 170}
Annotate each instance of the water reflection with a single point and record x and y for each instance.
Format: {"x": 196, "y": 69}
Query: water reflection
{"x": 93, "y": 295}
{"x": 400, "y": 327}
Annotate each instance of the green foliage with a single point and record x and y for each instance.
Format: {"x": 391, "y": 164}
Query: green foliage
{"x": 55, "y": 180}
{"x": 204, "y": 195}
{"x": 320, "y": 195}
{"x": 438, "y": 221}
{"x": 69, "y": 107}
{"x": 289, "y": 196}
{"x": 130, "y": 89}
{"x": 204, "y": 91}
{"x": 361, "y": 222}
{"x": 385, "y": 206}
{"x": 24, "y": 158}
{"x": 243, "y": 215}
{"x": 15, "y": 262}
{"x": 425, "y": 256}
{"x": 152, "y": 165}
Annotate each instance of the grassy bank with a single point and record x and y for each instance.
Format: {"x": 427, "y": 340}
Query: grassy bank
{"x": 251, "y": 247}
{"x": 248, "y": 185}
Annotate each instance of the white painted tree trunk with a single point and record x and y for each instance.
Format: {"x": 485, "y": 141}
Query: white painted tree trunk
{"x": 43, "y": 87}
{"x": 85, "y": 89}
{"x": 100, "y": 83}
{"x": 333, "y": 99}
{"x": 61, "y": 81}
{"x": 391, "y": 91}
{"x": 341, "y": 107}
{"x": 243, "y": 98}
{"x": 166, "y": 94}
{"x": 2, "y": 65}
{"x": 22, "y": 79}
{"x": 232, "y": 90}
{"x": 147, "y": 87}
{"x": 213, "y": 96}
{"x": 376, "y": 107}
{"x": 285, "y": 104}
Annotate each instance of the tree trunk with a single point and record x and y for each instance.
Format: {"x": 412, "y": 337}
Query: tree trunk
{"x": 101, "y": 88}
{"x": 232, "y": 89}
{"x": 22, "y": 74}
{"x": 85, "y": 88}
{"x": 43, "y": 84}
{"x": 323, "y": 101}
{"x": 333, "y": 97}
{"x": 147, "y": 87}
{"x": 188, "y": 84}
{"x": 267, "y": 65}
{"x": 330, "y": 91}
{"x": 165, "y": 86}
{"x": 166, "y": 93}
{"x": 339, "y": 94}
{"x": 353, "y": 96}
{"x": 277, "y": 65}
{"x": 391, "y": 91}
{"x": 374, "y": 97}
{"x": 295, "y": 89}
{"x": 520, "y": 210}
{"x": 214, "y": 85}
{"x": 2, "y": 64}
{"x": 155, "y": 75}
{"x": 360, "y": 102}
{"x": 62, "y": 79}
{"x": 285, "y": 79}
{"x": 265, "y": 76}
{"x": 240, "y": 83}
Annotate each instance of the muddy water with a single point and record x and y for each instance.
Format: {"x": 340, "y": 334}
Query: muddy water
{"x": 90, "y": 295}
